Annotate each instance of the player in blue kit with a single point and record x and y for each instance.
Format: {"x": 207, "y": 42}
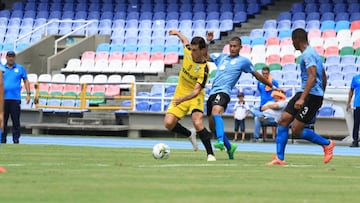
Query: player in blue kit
{"x": 229, "y": 69}
{"x": 13, "y": 75}
{"x": 2, "y": 170}
{"x": 302, "y": 108}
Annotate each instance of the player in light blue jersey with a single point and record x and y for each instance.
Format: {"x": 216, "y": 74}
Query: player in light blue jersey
{"x": 2, "y": 170}
{"x": 229, "y": 69}
{"x": 302, "y": 108}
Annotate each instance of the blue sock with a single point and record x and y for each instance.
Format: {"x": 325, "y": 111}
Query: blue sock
{"x": 281, "y": 141}
{"x": 219, "y": 127}
{"x": 227, "y": 143}
{"x": 310, "y": 135}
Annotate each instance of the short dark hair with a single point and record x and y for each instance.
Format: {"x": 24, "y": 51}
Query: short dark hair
{"x": 238, "y": 39}
{"x": 198, "y": 41}
{"x": 266, "y": 68}
{"x": 300, "y": 34}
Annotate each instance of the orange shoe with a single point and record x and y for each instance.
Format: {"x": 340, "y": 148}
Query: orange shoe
{"x": 2, "y": 170}
{"x": 276, "y": 161}
{"x": 328, "y": 151}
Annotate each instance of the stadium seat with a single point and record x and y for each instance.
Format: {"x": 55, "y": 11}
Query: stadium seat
{"x": 348, "y": 50}
{"x": 326, "y": 111}
{"x": 355, "y": 25}
{"x": 342, "y": 25}
{"x": 171, "y": 58}
{"x": 157, "y": 66}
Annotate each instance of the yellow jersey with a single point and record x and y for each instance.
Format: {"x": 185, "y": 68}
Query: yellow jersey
{"x": 190, "y": 74}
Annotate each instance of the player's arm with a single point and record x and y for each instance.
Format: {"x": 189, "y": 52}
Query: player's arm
{"x": 270, "y": 106}
{"x": 183, "y": 39}
{"x": 324, "y": 79}
{"x": 193, "y": 94}
{"x": 311, "y": 71}
{"x": 350, "y": 95}
{"x": 27, "y": 87}
{"x": 1, "y": 101}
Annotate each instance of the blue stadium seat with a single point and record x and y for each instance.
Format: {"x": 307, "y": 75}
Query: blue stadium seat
{"x": 155, "y": 106}
{"x": 270, "y": 24}
{"x": 284, "y": 25}
{"x": 313, "y": 16}
{"x": 298, "y": 24}
{"x": 245, "y": 40}
{"x": 326, "y": 7}
{"x": 284, "y": 16}
{"x": 342, "y": 16}
{"x": 340, "y": 7}
{"x": 258, "y": 41}
{"x": 297, "y": 7}
{"x": 353, "y": 7}
{"x": 327, "y": 16}
{"x": 327, "y": 25}
{"x": 298, "y": 16}
{"x": 312, "y": 25}
{"x": 342, "y": 25}
{"x": 240, "y": 17}
{"x": 284, "y": 34}
{"x": 159, "y": 15}
{"x": 311, "y": 7}
{"x": 355, "y": 16}
{"x": 326, "y": 111}
{"x": 240, "y": 7}
{"x": 214, "y": 15}
{"x": 253, "y": 8}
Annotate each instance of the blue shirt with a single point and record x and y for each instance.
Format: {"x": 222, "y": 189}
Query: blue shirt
{"x": 265, "y": 96}
{"x": 355, "y": 84}
{"x": 228, "y": 72}
{"x": 311, "y": 58}
{"x": 12, "y": 81}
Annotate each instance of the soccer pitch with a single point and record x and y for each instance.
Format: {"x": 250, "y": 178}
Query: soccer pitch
{"x": 57, "y": 173}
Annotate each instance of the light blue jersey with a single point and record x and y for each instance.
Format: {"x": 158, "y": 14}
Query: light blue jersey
{"x": 228, "y": 72}
{"x": 355, "y": 84}
{"x": 311, "y": 58}
{"x": 12, "y": 81}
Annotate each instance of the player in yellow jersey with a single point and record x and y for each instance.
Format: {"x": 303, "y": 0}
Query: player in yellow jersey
{"x": 189, "y": 94}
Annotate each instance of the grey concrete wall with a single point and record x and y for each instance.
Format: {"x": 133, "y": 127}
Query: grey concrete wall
{"x": 40, "y": 58}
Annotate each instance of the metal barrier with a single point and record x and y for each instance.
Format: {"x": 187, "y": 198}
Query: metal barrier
{"x": 85, "y": 96}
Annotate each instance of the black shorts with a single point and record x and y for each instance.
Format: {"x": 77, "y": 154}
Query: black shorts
{"x": 220, "y": 98}
{"x": 311, "y": 105}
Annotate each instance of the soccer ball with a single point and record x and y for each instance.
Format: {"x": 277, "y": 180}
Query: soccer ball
{"x": 161, "y": 151}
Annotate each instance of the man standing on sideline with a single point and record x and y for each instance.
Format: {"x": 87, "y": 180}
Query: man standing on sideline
{"x": 265, "y": 96}
{"x": 302, "y": 108}
{"x": 2, "y": 170}
{"x": 13, "y": 75}
{"x": 241, "y": 111}
{"x": 189, "y": 95}
{"x": 229, "y": 69}
{"x": 355, "y": 85}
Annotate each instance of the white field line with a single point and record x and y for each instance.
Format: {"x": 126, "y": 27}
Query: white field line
{"x": 185, "y": 165}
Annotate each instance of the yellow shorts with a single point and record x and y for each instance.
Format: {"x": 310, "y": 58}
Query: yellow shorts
{"x": 182, "y": 109}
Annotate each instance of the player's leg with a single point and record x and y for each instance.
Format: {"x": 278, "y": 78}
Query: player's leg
{"x": 257, "y": 126}
{"x": 171, "y": 122}
{"x": 6, "y": 118}
{"x": 242, "y": 129}
{"x": 355, "y": 132}
{"x": 204, "y": 134}
{"x": 306, "y": 114}
{"x": 15, "y": 117}
{"x": 236, "y": 128}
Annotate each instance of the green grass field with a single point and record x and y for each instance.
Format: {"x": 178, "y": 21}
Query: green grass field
{"x": 44, "y": 173}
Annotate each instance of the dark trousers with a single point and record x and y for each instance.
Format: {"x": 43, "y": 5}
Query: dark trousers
{"x": 12, "y": 108}
{"x": 356, "y": 124}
